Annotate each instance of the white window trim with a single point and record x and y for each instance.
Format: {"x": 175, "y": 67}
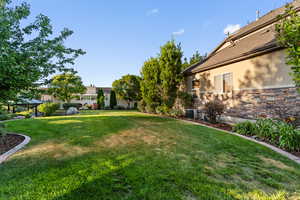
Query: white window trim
{"x": 222, "y": 75}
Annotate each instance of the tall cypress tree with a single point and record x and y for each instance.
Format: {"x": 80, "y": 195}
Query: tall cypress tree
{"x": 100, "y": 99}
{"x": 113, "y": 99}
{"x": 170, "y": 65}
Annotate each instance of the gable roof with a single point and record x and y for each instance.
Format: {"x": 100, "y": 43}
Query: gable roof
{"x": 258, "y": 37}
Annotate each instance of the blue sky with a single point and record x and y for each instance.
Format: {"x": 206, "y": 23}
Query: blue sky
{"x": 119, "y": 36}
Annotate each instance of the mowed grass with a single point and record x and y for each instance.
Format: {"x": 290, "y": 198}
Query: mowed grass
{"x": 129, "y": 155}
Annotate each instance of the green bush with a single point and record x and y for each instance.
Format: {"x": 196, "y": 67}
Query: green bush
{"x": 289, "y": 137}
{"x": 48, "y": 108}
{"x": 151, "y": 108}
{"x": 176, "y": 113}
{"x": 66, "y": 106}
{"x": 276, "y": 132}
{"x": 119, "y": 107}
{"x": 4, "y": 117}
{"x": 267, "y": 129}
{"x": 141, "y": 106}
{"x": 162, "y": 110}
{"x": 213, "y": 110}
{"x": 26, "y": 114}
{"x": 186, "y": 99}
{"x": 245, "y": 128}
{"x": 7, "y": 116}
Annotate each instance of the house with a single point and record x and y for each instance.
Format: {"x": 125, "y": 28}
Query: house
{"x": 247, "y": 72}
{"x": 90, "y": 97}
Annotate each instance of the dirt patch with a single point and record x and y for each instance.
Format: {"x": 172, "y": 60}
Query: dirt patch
{"x": 130, "y": 137}
{"x": 275, "y": 163}
{"x": 54, "y": 150}
{"x": 10, "y": 141}
{"x": 222, "y": 160}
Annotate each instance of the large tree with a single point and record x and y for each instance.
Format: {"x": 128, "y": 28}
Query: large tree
{"x": 29, "y": 53}
{"x": 170, "y": 65}
{"x": 66, "y": 86}
{"x": 128, "y": 88}
{"x": 288, "y": 35}
{"x": 151, "y": 83}
{"x": 100, "y": 99}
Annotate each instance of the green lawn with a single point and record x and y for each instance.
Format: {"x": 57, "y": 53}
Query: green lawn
{"x": 129, "y": 155}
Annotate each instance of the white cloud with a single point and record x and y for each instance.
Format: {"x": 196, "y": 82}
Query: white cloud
{"x": 154, "y": 11}
{"x": 231, "y": 28}
{"x": 179, "y": 32}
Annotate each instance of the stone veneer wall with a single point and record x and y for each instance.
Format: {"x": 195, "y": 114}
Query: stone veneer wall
{"x": 254, "y": 103}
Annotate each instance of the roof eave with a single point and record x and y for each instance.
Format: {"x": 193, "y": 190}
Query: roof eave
{"x": 238, "y": 59}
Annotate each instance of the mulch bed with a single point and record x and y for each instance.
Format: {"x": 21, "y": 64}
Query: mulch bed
{"x": 223, "y": 126}
{"x": 9, "y": 142}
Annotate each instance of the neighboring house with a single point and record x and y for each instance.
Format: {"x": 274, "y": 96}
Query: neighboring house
{"x": 247, "y": 72}
{"x": 90, "y": 97}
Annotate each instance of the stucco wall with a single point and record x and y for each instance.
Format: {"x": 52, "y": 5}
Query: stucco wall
{"x": 262, "y": 86}
{"x": 261, "y": 72}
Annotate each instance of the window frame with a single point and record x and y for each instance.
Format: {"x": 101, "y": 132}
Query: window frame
{"x": 223, "y": 90}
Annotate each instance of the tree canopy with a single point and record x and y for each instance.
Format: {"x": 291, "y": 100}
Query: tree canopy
{"x": 29, "y": 53}
{"x": 66, "y": 86}
{"x": 151, "y": 83}
{"x": 196, "y": 57}
{"x": 170, "y": 75}
{"x": 288, "y": 35}
{"x": 128, "y": 88}
{"x": 162, "y": 77}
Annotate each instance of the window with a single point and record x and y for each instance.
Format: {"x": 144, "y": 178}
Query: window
{"x": 227, "y": 82}
{"x": 195, "y": 86}
{"x": 223, "y": 83}
{"x": 218, "y": 83}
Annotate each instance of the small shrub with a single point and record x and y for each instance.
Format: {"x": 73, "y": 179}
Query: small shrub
{"x": 186, "y": 99}
{"x": 151, "y": 108}
{"x": 4, "y": 117}
{"x": 7, "y": 116}
{"x": 289, "y": 137}
{"x": 3, "y": 133}
{"x": 267, "y": 129}
{"x": 94, "y": 106}
{"x": 213, "y": 110}
{"x": 245, "y": 128}
{"x": 141, "y": 106}
{"x": 48, "y": 108}
{"x": 119, "y": 107}
{"x": 276, "y": 132}
{"x": 162, "y": 110}
{"x": 66, "y": 106}
{"x": 2, "y": 111}
{"x": 26, "y": 114}
{"x": 176, "y": 113}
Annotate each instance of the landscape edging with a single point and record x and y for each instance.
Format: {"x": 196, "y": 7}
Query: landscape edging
{"x": 280, "y": 151}
{"x": 7, "y": 154}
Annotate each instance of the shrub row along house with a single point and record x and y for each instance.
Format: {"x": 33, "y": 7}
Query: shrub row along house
{"x": 89, "y": 98}
{"x": 247, "y": 72}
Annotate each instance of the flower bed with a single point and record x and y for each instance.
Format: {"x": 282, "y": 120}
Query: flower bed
{"x": 9, "y": 141}
{"x": 275, "y": 132}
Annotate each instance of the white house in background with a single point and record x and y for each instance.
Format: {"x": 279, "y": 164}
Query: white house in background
{"x": 90, "y": 97}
